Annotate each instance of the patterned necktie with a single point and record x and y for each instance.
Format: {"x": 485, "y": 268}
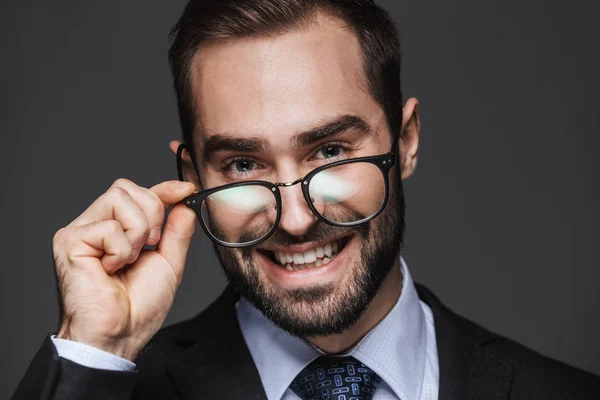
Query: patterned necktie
{"x": 335, "y": 378}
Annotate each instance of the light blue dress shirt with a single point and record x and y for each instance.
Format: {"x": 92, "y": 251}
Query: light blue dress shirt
{"x": 401, "y": 349}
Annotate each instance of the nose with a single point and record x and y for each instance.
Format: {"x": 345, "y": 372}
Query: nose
{"x": 296, "y": 216}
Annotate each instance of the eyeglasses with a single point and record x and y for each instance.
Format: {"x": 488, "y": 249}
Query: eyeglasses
{"x": 343, "y": 193}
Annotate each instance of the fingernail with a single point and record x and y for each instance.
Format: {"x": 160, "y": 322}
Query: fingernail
{"x": 182, "y": 185}
{"x": 133, "y": 255}
{"x": 154, "y": 233}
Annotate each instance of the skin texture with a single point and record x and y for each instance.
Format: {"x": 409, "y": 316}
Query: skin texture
{"x": 271, "y": 89}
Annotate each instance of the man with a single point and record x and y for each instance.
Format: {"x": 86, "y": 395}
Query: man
{"x": 295, "y": 147}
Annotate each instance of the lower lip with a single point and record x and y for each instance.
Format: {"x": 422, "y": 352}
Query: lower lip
{"x": 324, "y": 273}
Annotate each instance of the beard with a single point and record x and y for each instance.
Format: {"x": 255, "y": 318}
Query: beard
{"x": 324, "y": 309}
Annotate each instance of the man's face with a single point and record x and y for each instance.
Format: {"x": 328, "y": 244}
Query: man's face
{"x": 266, "y": 92}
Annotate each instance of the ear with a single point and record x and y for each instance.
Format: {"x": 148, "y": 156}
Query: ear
{"x": 188, "y": 167}
{"x": 409, "y": 137}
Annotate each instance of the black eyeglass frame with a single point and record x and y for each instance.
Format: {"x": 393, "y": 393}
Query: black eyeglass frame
{"x": 384, "y": 162}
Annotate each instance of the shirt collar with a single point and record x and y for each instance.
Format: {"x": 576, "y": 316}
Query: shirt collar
{"x": 394, "y": 349}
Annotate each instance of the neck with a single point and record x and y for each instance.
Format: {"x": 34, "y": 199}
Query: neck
{"x": 378, "y": 308}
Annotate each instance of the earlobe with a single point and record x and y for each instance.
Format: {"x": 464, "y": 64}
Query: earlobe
{"x": 409, "y": 137}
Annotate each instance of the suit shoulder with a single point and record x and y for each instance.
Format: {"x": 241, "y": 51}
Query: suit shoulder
{"x": 526, "y": 361}
{"x": 518, "y": 354}
{"x": 533, "y": 374}
{"x": 536, "y": 373}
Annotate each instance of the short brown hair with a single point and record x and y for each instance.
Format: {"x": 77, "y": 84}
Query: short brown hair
{"x": 209, "y": 20}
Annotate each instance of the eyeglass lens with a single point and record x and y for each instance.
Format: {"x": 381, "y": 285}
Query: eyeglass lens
{"x": 240, "y": 214}
{"x": 348, "y": 193}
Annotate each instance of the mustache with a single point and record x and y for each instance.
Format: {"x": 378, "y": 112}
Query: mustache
{"x": 319, "y": 231}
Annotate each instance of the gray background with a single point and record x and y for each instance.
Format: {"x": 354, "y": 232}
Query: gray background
{"x": 502, "y": 213}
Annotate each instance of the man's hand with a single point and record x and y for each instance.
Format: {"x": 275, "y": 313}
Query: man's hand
{"x": 115, "y": 295}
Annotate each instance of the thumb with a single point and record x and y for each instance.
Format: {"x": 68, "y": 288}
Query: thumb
{"x": 176, "y": 237}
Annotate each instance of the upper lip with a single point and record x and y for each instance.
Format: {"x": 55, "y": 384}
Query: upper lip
{"x": 301, "y": 247}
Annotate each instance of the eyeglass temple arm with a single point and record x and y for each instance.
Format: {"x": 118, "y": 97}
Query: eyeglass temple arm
{"x": 179, "y": 161}
{"x": 397, "y": 127}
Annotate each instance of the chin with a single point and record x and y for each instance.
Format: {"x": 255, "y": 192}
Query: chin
{"x": 311, "y": 300}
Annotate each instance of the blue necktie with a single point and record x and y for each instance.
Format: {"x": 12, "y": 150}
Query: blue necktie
{"x": 335, "y": 378}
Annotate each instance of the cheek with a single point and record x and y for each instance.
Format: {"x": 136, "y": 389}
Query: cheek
{"x": 231, "y": 259}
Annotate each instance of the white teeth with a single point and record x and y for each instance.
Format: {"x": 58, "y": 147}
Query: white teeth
{"x": 298, "y": 258}
{"x": 288, "y": 257}
{"x": 310, "y": 256}
{"x": 299, "y": 267}
{"x": 281, "y": 257}
{"x": 328, "y": 250}
{"x": 320, "y": 252}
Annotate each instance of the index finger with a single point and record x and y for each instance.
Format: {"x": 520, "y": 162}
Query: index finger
{"x": 171, "y": 192}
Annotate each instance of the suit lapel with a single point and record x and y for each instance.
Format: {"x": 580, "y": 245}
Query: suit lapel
{"x": 467, "y": 369}
{"x": 217, "y": 363}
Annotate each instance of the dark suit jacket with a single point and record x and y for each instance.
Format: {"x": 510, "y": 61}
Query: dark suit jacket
{"x": 206, "y": 358}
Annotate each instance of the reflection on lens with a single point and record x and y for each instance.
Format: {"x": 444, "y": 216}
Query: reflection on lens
{"x": 329, "y": 186}
{"x": 348, "y": 193}
{"x": 240, "y": 214}
{"x": 243, "y": 199}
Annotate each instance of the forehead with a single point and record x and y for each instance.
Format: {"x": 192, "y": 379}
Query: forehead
{"x": 275, "y": 86}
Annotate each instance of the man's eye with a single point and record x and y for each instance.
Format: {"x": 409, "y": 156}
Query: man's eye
{"x": 331, "y": 151}
{"x": 241, "y": 166}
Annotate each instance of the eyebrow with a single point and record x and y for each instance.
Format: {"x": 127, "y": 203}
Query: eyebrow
{"x": 332, "y": 128}
{"x": 220, "y": 142}
{"x": 225, "y": 142}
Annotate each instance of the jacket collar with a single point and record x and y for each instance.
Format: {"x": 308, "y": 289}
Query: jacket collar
{"x": 467, "y": 369}
{"x": 218, "y": 364}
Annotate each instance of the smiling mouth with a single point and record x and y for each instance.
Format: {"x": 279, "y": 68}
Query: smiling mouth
{"x": 313, "y": 258}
